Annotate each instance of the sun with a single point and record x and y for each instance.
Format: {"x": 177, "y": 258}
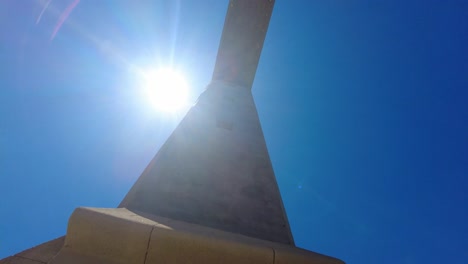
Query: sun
{"x": 166, "y": 89}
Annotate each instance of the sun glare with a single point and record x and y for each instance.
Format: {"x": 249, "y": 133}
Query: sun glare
{"x": 166, "y": 89}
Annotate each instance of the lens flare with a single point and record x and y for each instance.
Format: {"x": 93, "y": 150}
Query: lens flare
{"x": 166, "y": 89}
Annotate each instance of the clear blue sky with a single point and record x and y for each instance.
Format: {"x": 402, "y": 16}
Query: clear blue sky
{"x": 364, "y": 106}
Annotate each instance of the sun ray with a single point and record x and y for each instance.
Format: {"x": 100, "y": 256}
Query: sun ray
{"x": 64, "y": 17}
{"x": 165, "y": 89}
{"x": 46, "y": 5}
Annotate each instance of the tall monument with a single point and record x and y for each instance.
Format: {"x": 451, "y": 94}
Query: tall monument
{"x": 210, "y": 194}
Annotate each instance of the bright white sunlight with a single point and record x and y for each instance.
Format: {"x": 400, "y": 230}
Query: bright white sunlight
{"x": 166, "y": 89}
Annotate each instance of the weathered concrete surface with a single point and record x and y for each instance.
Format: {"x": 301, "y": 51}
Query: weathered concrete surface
{"x": 19, "y": 260}
{"x": 210, "y": 194}
{"x": 38, "y": 254}
{"x": 114, "y": 236}
{"x": 242, "y": 40}
{"x": 214, "y": 170}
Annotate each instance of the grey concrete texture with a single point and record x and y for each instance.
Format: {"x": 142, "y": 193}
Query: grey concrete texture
{"x": 117, "y": 236}
{"x": 42, "y": 253}
{"x": 210, "y": 193}
{"x": 242, "y": 40}
{"x": 214, "y": 170}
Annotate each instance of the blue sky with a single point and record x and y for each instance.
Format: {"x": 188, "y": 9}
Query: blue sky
{"x": 363, "y": 105}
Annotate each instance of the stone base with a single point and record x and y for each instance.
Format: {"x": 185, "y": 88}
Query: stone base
{"x": 108, "y": 236}
{"x": 112, "y": 236}
{"x": 40, "y": 254}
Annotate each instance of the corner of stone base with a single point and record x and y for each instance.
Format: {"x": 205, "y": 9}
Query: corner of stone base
{"x": 111, "y": 236}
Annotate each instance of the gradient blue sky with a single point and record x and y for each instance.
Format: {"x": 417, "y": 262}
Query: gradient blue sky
{"x": 364, "y": 106}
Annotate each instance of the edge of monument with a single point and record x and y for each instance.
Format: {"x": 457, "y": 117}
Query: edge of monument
{"x": 109, "y": 235}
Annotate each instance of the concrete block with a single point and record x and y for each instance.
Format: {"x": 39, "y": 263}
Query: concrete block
{"x": 113, "y": 235}
{"x": 242, "y": 40}
{"x": 287, "y": 255}
{"x": 44, "y": 252}
{"x": 170, "y": 246}
{"x": 117, "y": 236}
{"x": 19, "y": 260}
{"x": 218, "y": 176}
